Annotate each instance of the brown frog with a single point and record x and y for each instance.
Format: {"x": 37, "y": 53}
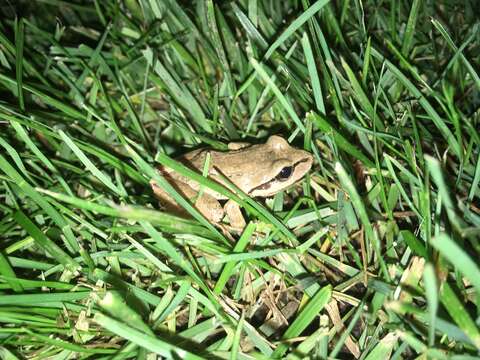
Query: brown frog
{"x": 258, "y": 170}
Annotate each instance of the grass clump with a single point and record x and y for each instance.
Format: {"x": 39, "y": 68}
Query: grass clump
{"x": 373, "y": 255}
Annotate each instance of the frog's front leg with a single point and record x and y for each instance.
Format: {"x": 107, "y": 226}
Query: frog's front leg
{"x": 206, "y": 204}
{"x": 232, "y": 209}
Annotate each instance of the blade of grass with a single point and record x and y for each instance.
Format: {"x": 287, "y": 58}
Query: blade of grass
{"x": 47, "y": 99}
{"x": 45, "y": 243}
{"x": 130, "y": 212}
{"x": 313, "y": 74}
{"x": 454, "y": 254}
{"x": 431, "y": 293}
{"x": 105, "y": 179}
{"x": 218, "y": 45}
{"x": 433, "y": 165}
{"x": 362, "y": 214}
{"x": 179, "y": 93}
{"x": 306, "y": 316}
{"x": 9, "y": 275}
{"x": 459, "y": 314}
{"x": 433, "y": 115}
{"x": 71, "y": 242}
{"x": 408, "y": 36}
{"x": 295, "y": 25}
{"x": 340, "y": 140}
{"x": 284, "y": 101}
{"x": 19, "y": 40}
{"x": 458, "y": 53}
{"x": 229, "y": 266}
{"x": 157, "y": 345}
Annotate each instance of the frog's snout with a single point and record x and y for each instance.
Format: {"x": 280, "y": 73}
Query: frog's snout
{"x": 306, "y": 163}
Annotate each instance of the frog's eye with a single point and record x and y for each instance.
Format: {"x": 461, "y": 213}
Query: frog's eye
{"x": 285, "y": 173}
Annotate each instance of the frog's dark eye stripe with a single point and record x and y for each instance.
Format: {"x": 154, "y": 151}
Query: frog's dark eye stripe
{"x": 284, "y": 174}
{"x": 287, "y": 171}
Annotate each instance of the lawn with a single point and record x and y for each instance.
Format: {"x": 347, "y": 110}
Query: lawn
{"x": 372, "y": 255}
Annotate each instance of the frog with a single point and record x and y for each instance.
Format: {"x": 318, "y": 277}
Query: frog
{"x": 258, "y": 170}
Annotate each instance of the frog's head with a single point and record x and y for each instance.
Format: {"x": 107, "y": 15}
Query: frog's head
{"x": 283, "y": 166}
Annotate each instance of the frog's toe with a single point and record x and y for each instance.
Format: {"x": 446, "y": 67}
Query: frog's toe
{"x": 210, "y": 208}
{"x": 235, "y": 215}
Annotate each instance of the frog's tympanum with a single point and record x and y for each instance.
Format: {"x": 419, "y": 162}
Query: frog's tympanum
{"x": 258, "y": 170}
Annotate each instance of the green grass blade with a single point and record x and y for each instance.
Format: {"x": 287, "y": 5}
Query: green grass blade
{"x": 408, "y": 36}
{"x": 454, "y": 254}
{"x": 229, "y": 266}
{"x": 34, "y": 195}
{"x": 154, "y": 344}
{"x": 19, "y": 40}
{"x": 295, "y": 25}
{"x": 306, "y": 316}
{"x": 9, "y": 275}
{"x": 312, "y": 69}
{"x": 362, "y": 214}
{"x": 284, "y": 101}
{"x": 450, "y": 42}
{"x": 433, "y": 115}
{"x": 44, "y": 242}
{"x": 431, "y": 292}
{"x": 436, "y": 172}
{"x": 459, "y": 314}
{"x": 105, "y": 179}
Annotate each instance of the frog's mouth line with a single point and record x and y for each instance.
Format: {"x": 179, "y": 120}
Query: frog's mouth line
{"x": 268, "y": 184}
